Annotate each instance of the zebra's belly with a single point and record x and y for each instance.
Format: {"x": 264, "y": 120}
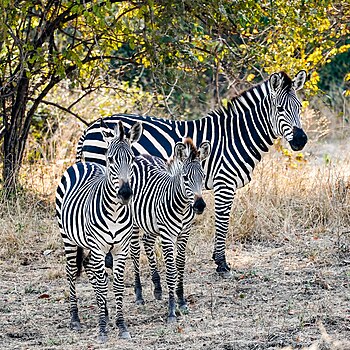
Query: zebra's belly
{"x": 147, "y": 223}
{"x": 112, "y": 235}
{"x": 99, "y": 237}
{"x": 158, "y": 220}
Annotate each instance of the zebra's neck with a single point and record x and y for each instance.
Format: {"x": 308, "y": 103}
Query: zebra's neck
{"x": 109, "y": 198}
{"x": 249, "y": 118}
{"x": 175, "y": 168}
{"x": 239, "y": 134}
{"x": 246, "y": 120}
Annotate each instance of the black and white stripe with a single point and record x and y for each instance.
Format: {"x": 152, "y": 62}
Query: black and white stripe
{"x": 166, "y": 198}
{"x": 239, "y": 135}
{"x": 94, "y": 215}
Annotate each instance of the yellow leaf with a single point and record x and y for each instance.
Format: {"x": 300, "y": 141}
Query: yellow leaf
{"x": 250, "y": 77}
{"x": 344, "y": 48}
{"x": 305, "y": 104}
{"x": 224, "y": 102}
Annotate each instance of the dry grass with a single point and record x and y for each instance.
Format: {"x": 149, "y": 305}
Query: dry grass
{"x": 282, "y": 201}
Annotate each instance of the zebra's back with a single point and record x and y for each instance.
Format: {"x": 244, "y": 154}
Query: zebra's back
{"x": 161, "y": 137}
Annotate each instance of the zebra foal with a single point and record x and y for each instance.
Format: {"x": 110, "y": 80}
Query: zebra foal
{"x": 165, "y": 202}
{"x": 239, "y": 133}
{"x": 94, "y": 214}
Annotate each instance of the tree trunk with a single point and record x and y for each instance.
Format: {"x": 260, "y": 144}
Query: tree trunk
{"x": 16, "y": 123}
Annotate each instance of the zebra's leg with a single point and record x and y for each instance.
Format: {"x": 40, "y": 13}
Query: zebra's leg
{"x": 149, "y": 244}
{"x": 168, "y": 245}
{"x": 118, "y": 288}
{"x": 223, "y": 203}
{"x": 135, "y": 256}
{"x": 95, "y": 267}
{"x": 109, "y": 261}
{"x": 180, "y": 267}
{"x": 71, "y": 251}
{"x": 92, "y": 278}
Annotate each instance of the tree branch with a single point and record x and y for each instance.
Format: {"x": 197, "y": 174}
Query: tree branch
{"x": 67, "y": 110}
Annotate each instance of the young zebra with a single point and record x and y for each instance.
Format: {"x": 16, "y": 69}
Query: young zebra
{"x": 94, "y": 215}
{"x": 165, "y": 202}
{"x": 239, "y": 133}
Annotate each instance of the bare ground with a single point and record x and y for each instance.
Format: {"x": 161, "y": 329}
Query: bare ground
{"x": 287, "y": 292}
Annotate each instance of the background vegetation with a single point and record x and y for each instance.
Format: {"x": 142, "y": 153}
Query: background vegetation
{"x": 186, "y": 56}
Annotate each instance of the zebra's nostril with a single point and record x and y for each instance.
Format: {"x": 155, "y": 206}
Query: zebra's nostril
{"x": 199, "y": 206}
{"x": 125, "y": 192}
{"x": 299, "y": 139}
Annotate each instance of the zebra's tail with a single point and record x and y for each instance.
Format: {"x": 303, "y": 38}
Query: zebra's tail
{"x": 79, "y": 150}
{"x": 80, "y": 258}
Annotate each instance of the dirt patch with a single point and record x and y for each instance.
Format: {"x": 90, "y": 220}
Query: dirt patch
{"x": 289, "y": 293}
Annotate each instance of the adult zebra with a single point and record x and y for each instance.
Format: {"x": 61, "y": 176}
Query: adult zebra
{"x": 94, "y": 215}
{"x": 239, "y": 135}
{"x": 167, "y": 196}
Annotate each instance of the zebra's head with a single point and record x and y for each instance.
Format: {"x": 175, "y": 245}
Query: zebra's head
{"x": 120, "y": 157}
{"x": 286, "y": 108}
{"x": 192, "y": 170}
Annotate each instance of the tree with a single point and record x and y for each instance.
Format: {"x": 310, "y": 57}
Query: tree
{"x": 175, "y": 47}
{"x": 41, "y": 44}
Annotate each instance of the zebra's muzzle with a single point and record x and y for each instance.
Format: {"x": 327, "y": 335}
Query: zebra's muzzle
{"x": 199, "y": 205}
{"x": 125, "y": 193}
{"x": 299, "y": 139}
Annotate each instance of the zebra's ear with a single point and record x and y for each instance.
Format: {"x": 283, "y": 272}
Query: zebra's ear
{"x": 119, "y": 132}
{"x": 204, "y": 150}
{"x": 299, "y": 80}
{"x": 135, "y": 132}
{"x": 180, "y": 151}
{"x": 276, "y": 81}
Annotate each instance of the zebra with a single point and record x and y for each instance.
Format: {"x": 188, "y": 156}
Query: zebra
{"x": 94, "y": 214}
{"x": 166, "y": 198}
{"x": 240, "y": 134}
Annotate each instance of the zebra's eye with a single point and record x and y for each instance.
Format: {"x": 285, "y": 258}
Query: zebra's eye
{"x": 280, "y": 109}
{"x": 110, "y": 160}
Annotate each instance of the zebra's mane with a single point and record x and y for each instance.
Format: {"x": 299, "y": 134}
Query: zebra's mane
{"x": 193, "y": 149}
{"x": 175, "y": 164}
{"x": 287, "y": 84}
{"x": 149, "y": 157}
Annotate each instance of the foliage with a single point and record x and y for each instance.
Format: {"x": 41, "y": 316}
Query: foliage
{"x": 186, "y": 52}
{"x": 335, "y": 84}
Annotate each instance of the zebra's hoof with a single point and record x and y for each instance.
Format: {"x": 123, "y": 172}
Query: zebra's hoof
{"x": 102, "y": 338}
{"x": 157, "y": 295}
{"x": 224, "y": 270}
{"x": 124, "y": 335}
{"x": 225, "y": 274}
{"x": 139, "y": 302}
{"x": 75, "y": 325}
{"x": 171, "y": 319}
